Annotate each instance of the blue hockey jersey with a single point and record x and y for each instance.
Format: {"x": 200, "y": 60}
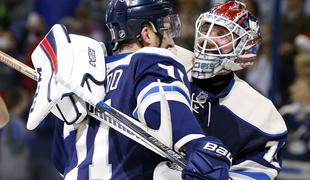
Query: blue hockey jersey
{"x": 247, "y": 123}
{"x": 137, "y": 84}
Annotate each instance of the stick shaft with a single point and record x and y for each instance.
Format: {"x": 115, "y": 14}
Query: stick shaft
{"x": 17, "y": 65}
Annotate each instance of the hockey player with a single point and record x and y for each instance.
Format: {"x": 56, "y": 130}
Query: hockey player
{"x": 227, "y": 39}
{"x": 144, "y": 81}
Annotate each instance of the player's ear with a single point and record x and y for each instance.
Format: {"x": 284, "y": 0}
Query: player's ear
{"x": 147, "y": 35}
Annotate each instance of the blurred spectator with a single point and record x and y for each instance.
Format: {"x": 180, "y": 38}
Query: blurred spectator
{"x": 189, "y": 12}
{"x": 14, "y": 148}
{"x": 89, "y": 27}
{"x": 97, "y": 8}
{"x": 302, "y": 42}
{"x": 8, "y": 45}
{"x": 35, "y": 31}
{"x": 17, "y": 12}
{"x": 265, "y": 10}
{"x": 35, "y": 27}
{"x": 4, "y": 114}
{"x": 84, "y": 24}
{"x": 297, "y": 117}
{"x": 7, "y": 41}
{"x": 293, "y": 22}
{"x": 303, "y": 65}
{"x": 307, "y": 7}
{"x": 72, "y": 24}
{"x": 253, "y": 7}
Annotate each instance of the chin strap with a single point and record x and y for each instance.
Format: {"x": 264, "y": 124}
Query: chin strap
{"x": 138, "y": 37}
{"x": 161, "y": 37}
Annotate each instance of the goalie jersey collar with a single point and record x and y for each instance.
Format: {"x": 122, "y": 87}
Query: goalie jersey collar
{"x": 202, "y": 94}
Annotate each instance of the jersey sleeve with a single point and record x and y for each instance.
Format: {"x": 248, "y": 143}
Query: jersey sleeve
{"x": 261, "y": 163}
{"x": 163, "y": 99}
{"x": 261, "y": 133}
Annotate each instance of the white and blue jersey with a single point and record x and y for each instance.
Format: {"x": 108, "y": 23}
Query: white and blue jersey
{"x": 247, "y": 123}
{"x": 136, "y": 85}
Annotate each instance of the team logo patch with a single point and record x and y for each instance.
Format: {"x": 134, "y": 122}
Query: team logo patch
{"x": 92, "y": 56}
{"x": 198, "y": 101}
{"x": 122, "y": 34}
{"x": 202, "y": 97}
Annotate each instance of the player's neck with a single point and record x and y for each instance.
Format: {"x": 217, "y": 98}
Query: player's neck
{"x": 214, "y": 85}
{"x": 130, "y": 48}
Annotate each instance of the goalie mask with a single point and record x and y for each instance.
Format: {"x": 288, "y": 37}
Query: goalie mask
{"x": 226, "y": 39}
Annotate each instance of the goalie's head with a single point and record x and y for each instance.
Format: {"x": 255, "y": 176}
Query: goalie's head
{"x": 227, "y": 39}
{"x": 124, "y": 18}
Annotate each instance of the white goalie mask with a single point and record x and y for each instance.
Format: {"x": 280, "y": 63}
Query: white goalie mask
{"x": 226, "y": 39}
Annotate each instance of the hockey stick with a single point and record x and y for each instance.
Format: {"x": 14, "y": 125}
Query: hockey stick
{"x": 107, "y": 114}
{"x": 17, "y": 65}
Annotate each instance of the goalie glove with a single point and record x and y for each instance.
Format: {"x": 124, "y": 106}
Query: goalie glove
{"x": 207, "y": 159}
{"x": 76, "y": 57}
{"x": 71, "y": 108}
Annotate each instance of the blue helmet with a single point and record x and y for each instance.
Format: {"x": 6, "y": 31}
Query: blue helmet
{"x": 125, "y": 17}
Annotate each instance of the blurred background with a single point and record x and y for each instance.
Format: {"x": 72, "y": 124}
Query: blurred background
{"x": 281, "y": 72}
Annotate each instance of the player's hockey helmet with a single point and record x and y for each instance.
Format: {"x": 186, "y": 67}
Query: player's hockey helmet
{"x": 240, "y": 26}
{"x": 125, "y": 17}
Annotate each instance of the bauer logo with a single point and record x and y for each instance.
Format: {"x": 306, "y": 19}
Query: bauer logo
{"x": 92, "y": 56}
{"x": 219, "y": 150}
